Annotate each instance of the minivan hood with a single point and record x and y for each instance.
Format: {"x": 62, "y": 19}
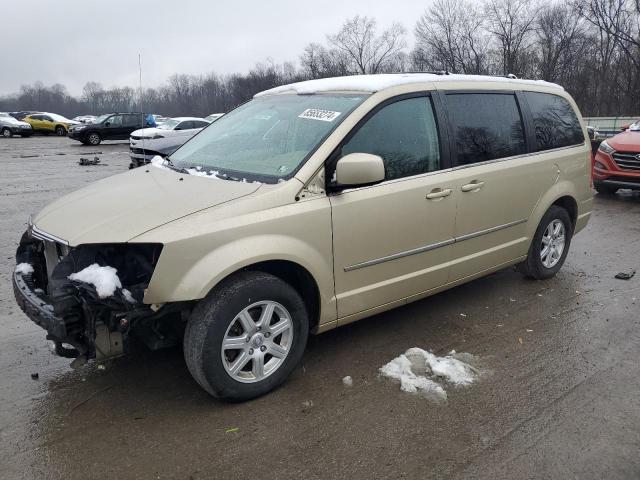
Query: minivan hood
{"x": 627, "y": 141}
{"x": 119, "y": 208}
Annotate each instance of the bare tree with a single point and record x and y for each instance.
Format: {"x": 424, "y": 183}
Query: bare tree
{"x": 561, "y": 41}
{"x": 512, "y": 24}
{"x": 367, "y": 51}
{"x": 451, "y": 36}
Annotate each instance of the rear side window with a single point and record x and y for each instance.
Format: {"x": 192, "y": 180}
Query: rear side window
{"x": 131, "y": 120}
{"x": 556, "y": 123}
{"x": 186, "y": 125}
{"x": 404, "y": 134}
{"x": 485, "y": 126}
{"x": 199, "y": 124}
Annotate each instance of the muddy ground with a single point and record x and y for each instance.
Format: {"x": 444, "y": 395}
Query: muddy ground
{"x": 562, "y": 399}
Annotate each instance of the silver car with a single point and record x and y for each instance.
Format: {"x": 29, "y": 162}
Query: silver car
{"x": 9, "y": 126}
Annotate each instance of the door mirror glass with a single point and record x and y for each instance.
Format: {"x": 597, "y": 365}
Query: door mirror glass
{"x": 359, "y": 169}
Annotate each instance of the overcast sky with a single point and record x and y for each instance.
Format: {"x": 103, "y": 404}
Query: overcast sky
{"x": 75, "y": 41}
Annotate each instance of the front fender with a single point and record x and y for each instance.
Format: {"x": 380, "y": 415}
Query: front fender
{"x": 175, "y": 279}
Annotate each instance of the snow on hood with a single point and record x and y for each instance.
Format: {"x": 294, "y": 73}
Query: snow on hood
{"x": 375, "y": 83}
{"x": 12, "y": 120}
{"x": 122, "y": 207}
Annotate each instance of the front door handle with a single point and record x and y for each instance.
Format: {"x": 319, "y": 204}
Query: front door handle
{"x": 438, "y": 193}
{"x": 473, "y": 186}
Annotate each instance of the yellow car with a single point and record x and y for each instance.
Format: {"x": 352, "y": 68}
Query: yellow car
{"x": 49, "y": 123}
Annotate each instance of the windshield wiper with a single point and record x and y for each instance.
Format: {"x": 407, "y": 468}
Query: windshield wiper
{"x": 226, "y": 176}
{"x": 172, "y": 166}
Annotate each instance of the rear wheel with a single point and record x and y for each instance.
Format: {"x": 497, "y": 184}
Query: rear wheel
{"x": 246, "y": 336}
{"x": 605, "y": 189}
{"x": 7, "y": 133}
{"x": 93, "y": 139}
{"x": 550, "y": 245}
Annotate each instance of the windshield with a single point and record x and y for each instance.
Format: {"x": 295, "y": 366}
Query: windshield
{"x": 168, "y": 125}
{"x": 268, "y": 138}
{"x": 101, "y": 118}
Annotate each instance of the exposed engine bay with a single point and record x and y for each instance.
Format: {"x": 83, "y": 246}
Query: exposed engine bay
{"x": 82, "y": 323}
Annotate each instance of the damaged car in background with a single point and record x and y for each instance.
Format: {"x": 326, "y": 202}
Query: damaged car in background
{"x": 311, "y": 206}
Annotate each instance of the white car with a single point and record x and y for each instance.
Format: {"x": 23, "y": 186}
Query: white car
{"x": 213, "y": 117}
{"x": 163, "y": 140}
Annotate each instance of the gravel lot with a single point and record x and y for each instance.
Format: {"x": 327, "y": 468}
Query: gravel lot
{"x": 562, "y": 399}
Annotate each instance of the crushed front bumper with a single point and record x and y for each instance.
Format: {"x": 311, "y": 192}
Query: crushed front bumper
{"x": 37, "y": 309}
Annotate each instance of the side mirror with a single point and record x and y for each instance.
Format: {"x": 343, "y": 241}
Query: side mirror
{"x": 106, "y": 124}
{"x": 359, "y": 169}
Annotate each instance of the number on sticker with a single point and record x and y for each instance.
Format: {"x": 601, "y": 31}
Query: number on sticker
{"x": 316, "y": 114}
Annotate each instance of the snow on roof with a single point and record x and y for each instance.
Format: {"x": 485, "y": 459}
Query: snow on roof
{"x": 375, "y": 83}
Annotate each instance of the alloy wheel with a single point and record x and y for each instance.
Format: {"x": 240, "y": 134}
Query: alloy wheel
{"x": 257, "y": 341}
{"x": 553, "y": 243}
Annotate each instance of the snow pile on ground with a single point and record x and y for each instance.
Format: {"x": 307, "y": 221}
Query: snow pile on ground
{"x": 24, "y": 268}
{"x": 105, "y": 279}
{"x": 419, "y": 371}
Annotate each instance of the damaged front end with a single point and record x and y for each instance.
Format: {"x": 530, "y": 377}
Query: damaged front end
{"x": 82, "y": 323}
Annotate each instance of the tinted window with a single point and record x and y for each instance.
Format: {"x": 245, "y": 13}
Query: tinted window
{"x": 485, "y": 126}
{"x": 555, "y": 122}
{"x": 199, "y": 124}
{"x": 404, "y": 134}
{"x": 47, "y": 118}
{"x": 131, "y": 120}
{"x": 186, "y": 125}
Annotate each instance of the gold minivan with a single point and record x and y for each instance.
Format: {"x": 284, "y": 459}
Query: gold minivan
{"x": 313, "y": 205}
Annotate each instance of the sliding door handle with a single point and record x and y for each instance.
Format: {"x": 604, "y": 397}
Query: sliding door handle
{"x": 473, "y": 186}
{"x": 438, "y": 193}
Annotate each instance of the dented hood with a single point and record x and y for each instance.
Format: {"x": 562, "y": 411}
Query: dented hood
{"x": 119, "y": 208}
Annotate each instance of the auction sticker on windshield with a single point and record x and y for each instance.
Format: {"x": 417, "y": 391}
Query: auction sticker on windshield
{"x": 323, "y": 115}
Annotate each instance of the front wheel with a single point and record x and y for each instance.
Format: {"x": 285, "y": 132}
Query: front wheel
{"x": 93, "y": 139}
{"x": 246, "y": 336}
{"x": 7, "y": 133}
{"x": 60, "y": 131}
{"x": 550, "y": 245}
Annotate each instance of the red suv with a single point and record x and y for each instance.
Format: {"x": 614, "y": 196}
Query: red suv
{"x": 617, "y": 162}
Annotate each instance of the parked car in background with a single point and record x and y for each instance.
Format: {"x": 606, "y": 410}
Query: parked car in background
{"x": 85, "y": 118}
{"x": 617, "y": 162}
{"x": 307, "y": 208}
{"x": 112, "y": 126}
{"x": 159, "y": 119}
{"x": 9, "y": 126}
{"x": 20, "y": 115}
{"x": 163, "y": 140}
{"x": 213, "y": 117}
{"x": 47, "y": 123}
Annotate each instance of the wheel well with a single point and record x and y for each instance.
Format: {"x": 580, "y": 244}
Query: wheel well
{"x": 300, "y": 279}
{"x": 570, "y": 205}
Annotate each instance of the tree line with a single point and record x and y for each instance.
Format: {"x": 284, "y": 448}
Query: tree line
{"x": 591, "y": 47}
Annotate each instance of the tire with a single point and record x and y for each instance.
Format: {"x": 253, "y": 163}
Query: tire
{"x": 537, "y": 265}
{"x": 93, "y": 139}
{"x": 216, "y": 318}
{"x": 605, "y": 189}
{"x": 7, "y": 133}
{"x": 60, "y": 131}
